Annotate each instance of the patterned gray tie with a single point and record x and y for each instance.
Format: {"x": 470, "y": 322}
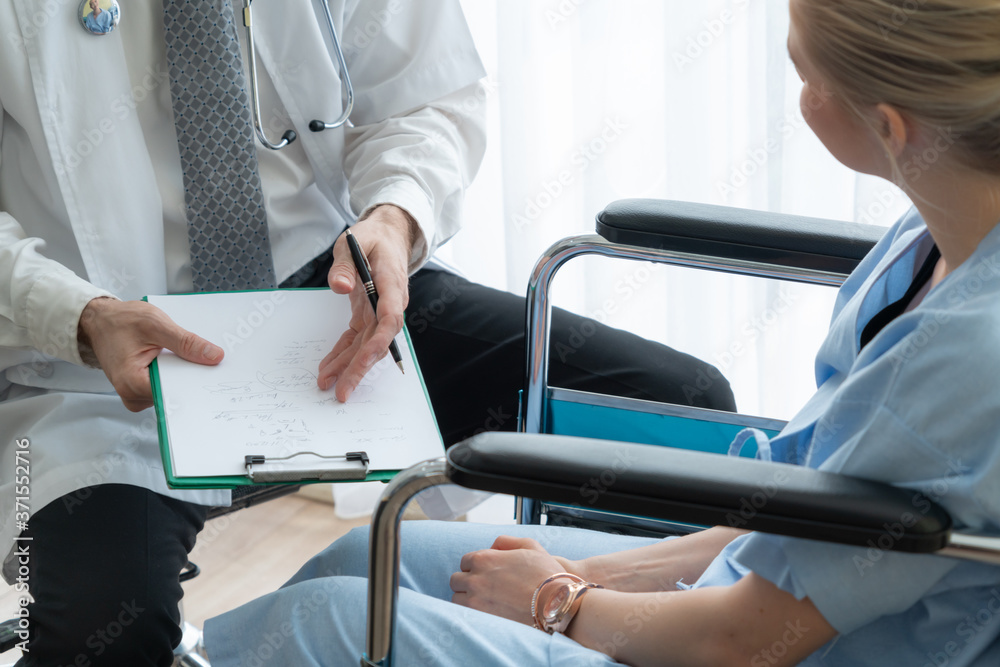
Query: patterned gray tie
{"x": 227, "y": 225}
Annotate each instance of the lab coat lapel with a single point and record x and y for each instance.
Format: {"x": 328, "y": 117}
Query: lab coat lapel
{"x": 87, "y": 111}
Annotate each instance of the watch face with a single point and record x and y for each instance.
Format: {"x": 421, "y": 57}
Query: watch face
{"x": 555, "y": 603}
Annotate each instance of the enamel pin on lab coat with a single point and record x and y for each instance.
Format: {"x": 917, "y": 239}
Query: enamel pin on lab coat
{"x": 99, "y": 17}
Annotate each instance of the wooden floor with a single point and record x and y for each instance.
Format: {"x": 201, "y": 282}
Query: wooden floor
{"x": 244, "y": 555}
{"x": 251, "y": 552}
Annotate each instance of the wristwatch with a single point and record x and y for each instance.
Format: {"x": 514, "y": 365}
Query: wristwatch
{"x": 556, "y": 601}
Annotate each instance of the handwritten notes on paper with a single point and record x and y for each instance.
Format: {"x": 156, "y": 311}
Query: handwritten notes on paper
{"x": 263, "y": 397}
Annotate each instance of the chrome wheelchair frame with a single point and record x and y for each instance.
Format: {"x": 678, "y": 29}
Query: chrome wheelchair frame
{"x": 674, "y": 484}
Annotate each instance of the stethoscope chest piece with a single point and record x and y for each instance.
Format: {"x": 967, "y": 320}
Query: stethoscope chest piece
{"x": 99, "y": 17}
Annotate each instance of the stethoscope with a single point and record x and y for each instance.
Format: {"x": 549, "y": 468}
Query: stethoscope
{"x": 314, "y": 125}
{"x": 289, "y": 136}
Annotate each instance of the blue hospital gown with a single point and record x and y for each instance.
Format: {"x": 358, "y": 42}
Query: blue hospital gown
{"x": 918, "y": 407}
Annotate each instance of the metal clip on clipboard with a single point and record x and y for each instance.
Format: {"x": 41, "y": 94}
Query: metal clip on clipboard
{"x": 312, "y": 467}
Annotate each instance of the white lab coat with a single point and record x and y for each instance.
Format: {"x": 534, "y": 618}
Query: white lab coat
{"x": 81, "y": 212}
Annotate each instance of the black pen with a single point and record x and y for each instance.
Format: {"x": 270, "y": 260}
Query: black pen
{"x": 365, "y": 272}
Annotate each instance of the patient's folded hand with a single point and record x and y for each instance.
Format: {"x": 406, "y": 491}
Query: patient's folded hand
{"x": 502, "y": 579}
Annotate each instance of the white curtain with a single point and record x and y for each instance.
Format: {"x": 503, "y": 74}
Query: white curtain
{"x": 596, "y": 100}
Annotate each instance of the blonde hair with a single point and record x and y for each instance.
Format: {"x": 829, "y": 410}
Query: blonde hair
{"x": 937, "y": 61}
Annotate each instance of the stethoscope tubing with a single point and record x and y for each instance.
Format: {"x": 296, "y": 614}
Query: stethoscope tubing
{"x": 315, "y": 125}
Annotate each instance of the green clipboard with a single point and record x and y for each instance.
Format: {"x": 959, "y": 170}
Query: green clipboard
{"x": 232, "y": 481}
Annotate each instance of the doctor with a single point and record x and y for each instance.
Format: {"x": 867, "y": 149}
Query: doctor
{"x": 93, "y": 217}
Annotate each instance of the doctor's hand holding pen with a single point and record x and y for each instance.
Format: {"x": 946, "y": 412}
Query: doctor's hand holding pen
{"x": 386, "y": 235}
{"x": 123, "y": 338}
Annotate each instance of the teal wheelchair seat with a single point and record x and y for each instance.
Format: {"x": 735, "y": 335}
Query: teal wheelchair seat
{"x": 698, "y": 236}
{"x": 614, "y": 418}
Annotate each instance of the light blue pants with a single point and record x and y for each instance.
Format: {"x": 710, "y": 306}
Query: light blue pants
{"x": 318, "y": 617}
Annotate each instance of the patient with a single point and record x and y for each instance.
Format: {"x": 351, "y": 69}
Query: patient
{"x": 909, "y": 91}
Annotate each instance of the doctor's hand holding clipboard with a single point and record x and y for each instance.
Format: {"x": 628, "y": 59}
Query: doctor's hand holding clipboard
{"x": 125, "y": 336}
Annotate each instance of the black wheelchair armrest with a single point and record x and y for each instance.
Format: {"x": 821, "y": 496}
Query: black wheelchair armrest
{"x": 732, "y": 233}
{"x": 705, "y": 489}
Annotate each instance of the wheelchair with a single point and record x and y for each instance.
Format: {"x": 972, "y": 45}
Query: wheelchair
{"x": 714, "y": 238}
{"x": 565, "y": 441}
